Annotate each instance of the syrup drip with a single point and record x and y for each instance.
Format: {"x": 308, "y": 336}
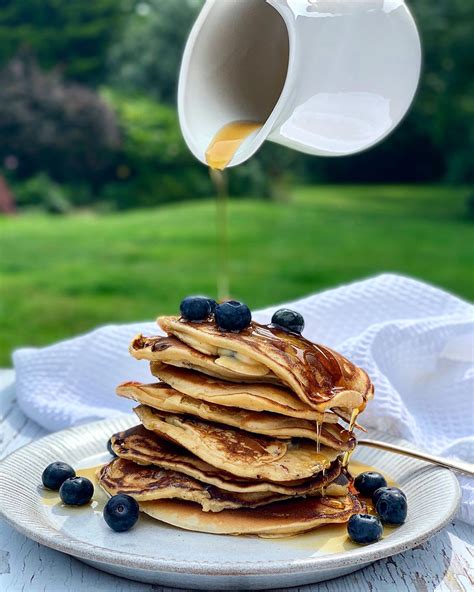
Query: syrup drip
{"x": 354, "y": 415}
{"x": 220, "y": 152}
{"x": 352, "y": 423}
{"x": 318, "y": 436}
{"x": 220, "y": 182}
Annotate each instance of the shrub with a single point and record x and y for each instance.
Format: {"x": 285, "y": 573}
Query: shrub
{"x": 154, "y": 165}
{"x": 74, "y": 36}
{"x": 41, "y": 193}
{"x": 65, "y": 130}
{"x": 146, "y": 57}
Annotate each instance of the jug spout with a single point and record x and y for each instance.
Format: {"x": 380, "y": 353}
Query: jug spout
{"x": 325, "y": 77}
{"x": 234, "y": 68}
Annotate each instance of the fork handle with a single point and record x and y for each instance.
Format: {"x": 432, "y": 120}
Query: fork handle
{"x": 456, "y": 465}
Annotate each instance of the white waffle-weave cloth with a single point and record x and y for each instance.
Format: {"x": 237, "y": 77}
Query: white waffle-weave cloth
{"x": 415, "y": 341}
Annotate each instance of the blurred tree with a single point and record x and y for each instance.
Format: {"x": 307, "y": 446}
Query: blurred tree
{"x": 154, "y": 164}
{"x": 67, "y": 131}
{"x": 445, "y": 105}
{"x": 74, "y": 35}
{"x": 147, "y": 56}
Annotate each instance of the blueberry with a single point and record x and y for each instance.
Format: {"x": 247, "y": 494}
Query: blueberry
{"x": 364, "y": 528}
{"x": 289, "y": 320}
{"x": 195, "y": 308}
{"x": 378, "y": 492}
{"x": 109, "y": 447}
{"x": 233, "y": 316}
{"x": 76, "y": 491}
{"x": 55, "y": 474}
{"x": 367, "y": 483}
{"x": 121, "y": 512}
{"x": 392, "y": 507}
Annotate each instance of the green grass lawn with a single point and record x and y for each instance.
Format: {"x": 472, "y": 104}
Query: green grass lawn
{"x": 64, "y": 275}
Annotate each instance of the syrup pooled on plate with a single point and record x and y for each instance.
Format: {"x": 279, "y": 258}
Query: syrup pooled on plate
{"x": 97, "y": 503}
{"x": 333, "y": 538}
{"x": 220, "y": 152}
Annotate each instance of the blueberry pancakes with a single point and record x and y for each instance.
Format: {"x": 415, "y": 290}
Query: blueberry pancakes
{"x": 247, "y": 429}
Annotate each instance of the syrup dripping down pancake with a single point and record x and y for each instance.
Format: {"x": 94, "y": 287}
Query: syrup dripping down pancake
{"x": 147, "y": 448}
{"x": 164, "y": 398}
{"x": 319, "y": 376}
{"x": 153, "y": 483}
{"x": 280, "y": 519}
{"x": 238, "y": 452}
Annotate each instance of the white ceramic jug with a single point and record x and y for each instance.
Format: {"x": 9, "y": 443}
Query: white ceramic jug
{"x": 326, "y": 77}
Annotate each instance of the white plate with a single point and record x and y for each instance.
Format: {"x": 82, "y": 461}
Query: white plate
{"x": 157, "y": 553}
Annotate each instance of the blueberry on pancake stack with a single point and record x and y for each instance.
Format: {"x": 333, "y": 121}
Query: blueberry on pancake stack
{"x": 247, "y": 429}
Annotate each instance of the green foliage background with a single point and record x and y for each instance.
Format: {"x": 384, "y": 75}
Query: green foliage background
{"x": 73, "y": 35}
{"x": 117, "y": 61}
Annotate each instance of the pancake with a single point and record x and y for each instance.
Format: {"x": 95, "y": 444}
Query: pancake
{"x": 319, "y": 376}
{"x": 152, "y": 483}
{"x": 164, "y": 398}
{"x": 279, "y": 519}
{"x": 174, "y": 352}
{"x": 146, "y": 448}
{"x": 238, "y": 452}
{"x": 251, "y": 396}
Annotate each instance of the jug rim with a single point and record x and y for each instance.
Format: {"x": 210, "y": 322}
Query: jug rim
{"x": 255, "y": 140}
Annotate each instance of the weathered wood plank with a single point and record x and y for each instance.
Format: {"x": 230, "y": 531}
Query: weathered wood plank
{"x": 443, "y": 564}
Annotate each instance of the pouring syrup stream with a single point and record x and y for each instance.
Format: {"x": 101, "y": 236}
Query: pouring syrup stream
{"x": 219, "y": 153}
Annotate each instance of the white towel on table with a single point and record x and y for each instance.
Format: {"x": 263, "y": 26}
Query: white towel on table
{"x": 415, "y": 341}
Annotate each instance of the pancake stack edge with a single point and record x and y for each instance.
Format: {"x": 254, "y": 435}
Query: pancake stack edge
{"x": 242, "y": 433}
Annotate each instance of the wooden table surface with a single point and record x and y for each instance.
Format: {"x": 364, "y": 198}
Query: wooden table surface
{"x": 446, "y": 562}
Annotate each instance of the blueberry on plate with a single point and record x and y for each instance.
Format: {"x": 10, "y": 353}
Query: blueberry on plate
{"x": 55, "y": 474}
{"x": 109, "y": 447}
{"x": 76, "y": 491}
{"x": 366, "y": 483}
{"x": 287, "y": 319}
{"x": 392, "y": 507}
{"x": 121, "y": 512}
{"x": 233, "y": 316}
{"x": 364, "y": 529}
{"x": 378, "y": 492}
{"x": 196, "y": 308}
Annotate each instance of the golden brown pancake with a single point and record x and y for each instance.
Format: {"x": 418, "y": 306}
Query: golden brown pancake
{"x": 279, "y": 519}
{"x": 238, "y": 452}
{"x": 319, "y": 376}
{"x": 147, "y": 448}
{"x": 152, "y": 483}
{"x": 174, "y": 352}
{"x": 160, "y": 396}
{"x": 252, "y": 396}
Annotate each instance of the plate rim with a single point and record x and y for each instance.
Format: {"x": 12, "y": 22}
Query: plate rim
{"x": 102, "y": 555}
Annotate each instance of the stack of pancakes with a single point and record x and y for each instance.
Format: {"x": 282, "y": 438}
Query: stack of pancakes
{"x": 245, "y": 433}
